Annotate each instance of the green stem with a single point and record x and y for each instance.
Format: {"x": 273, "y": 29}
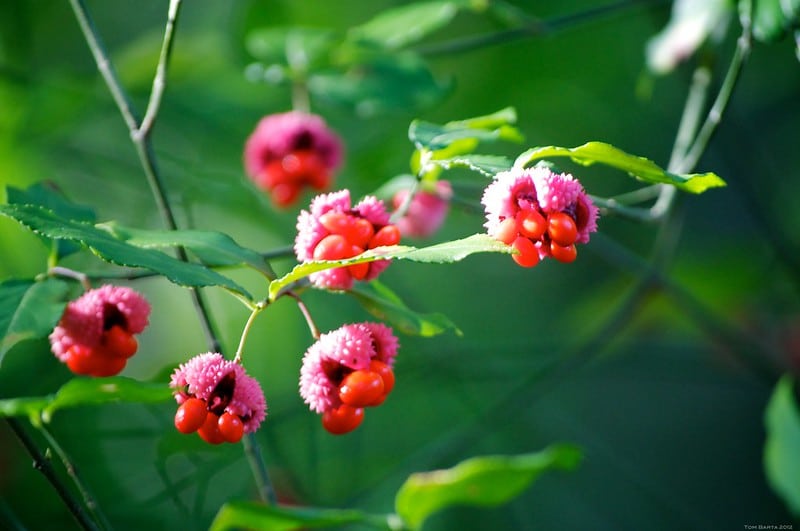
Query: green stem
{"x": 261, "y": 474}
{"x": 256, "y": 310}
{"x": 69, "y": 273}
{"x": 42, "y": 464}
{"x": 88, "y": 499}
{"x": 306, "y": 314}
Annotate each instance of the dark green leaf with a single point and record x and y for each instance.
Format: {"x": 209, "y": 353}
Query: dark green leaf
{"x": 782, "y": 449}
{"x": 492, "y": 127}
{"x": 384, "y": 304}
{"x": 293, "y": 46}
{"x": 29, "y": 310}
{"x": 481, "y": 481}
{"x": 212, "y": 248}
{"x": 249, "y": 515}
{"x": 452, "y": 251}
{"x": 639, "y": 167}
{"x": 403, "y": 25}
{"x": 772, "y": 18}
{"x": 85, "y": 392}
{"x": 110, "y": 249}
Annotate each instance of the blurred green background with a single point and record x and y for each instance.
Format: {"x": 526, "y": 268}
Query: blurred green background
{"x": 658, "y": 395}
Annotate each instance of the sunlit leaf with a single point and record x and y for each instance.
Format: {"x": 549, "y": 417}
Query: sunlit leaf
{"x": 772, "y": 18}
{"x": 85, "y": 392}
{"x": 638, "y": 167}
{"x": 212, "y": 248}
{"x": 447, "y": 252}
{"x": 403, "y": 25}
{"x": 480, "y": 481}
{"x": 782, "y": 448}
{"x": 496, "y": 126}
{"x": 249, "y": 515}
{"x": 384, "y": 304}
{"x": 46, "y": 223}
{"x": 29, "y": 310}
{"x": 488, "y": 165}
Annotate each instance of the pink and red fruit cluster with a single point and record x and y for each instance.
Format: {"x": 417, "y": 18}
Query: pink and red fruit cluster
{"x": 289, "y": 151}
{"x": 347, "y": 370}
{"x": 333, "y": 230}
{"x": 539, "y": 213}
{"x": 217, "y": 399}
{"x": 426, "y": 212}
{"x": 95, "y": 335}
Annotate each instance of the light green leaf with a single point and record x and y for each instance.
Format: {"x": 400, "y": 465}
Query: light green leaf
{"x": 638, "y": 167}
{"x": 29, "y": 310}
{"x": 249, "y": 515}
{"x": 46, "y": 223}
{"x": 782, "y": 448}
{"x": 212, "y": 248}
{"x": 85, "y": 392}
{"x": 481, "y": 481}
{"x": 403, "y": 25}
{"x": 492, "y": 127}
{"x": 384, "y": 304}
{"x": 452, "y": 251}
{"x": 772, "y": 18}
{"x": 488, "y": 165}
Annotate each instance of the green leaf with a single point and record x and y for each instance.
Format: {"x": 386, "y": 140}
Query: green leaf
{"x": 492, "y": 127}
{"x": 488, "y": 165}
{"x": 481, "y": 481}
{"x": 782, "y": 448}
{"x": 46, "y": 223}
{"x": 48, "y": 196}
{"x": 772, "y": 18}
{"x": 447, "y": 252}
{"x": 293, "y": 46}
{"x": 212, "y": 248}
{"x": 384, "y": 304}
{"x": 249, "y": 515}
{"x": 85, "y": 392}
{"x": 398, "y": 27}
{"x": 638, "y": 167}
{"x": 29, "y": 310}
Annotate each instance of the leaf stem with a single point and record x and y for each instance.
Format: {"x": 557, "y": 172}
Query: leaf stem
{"x": 88, "y": 499}
{"x": 304, "y": 310}
{"x": 69, "y": 273}
{"x": 246, "y": 330}
{"x": 43, "y": 465}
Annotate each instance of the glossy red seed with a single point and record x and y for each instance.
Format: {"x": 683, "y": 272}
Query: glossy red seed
{"x": 531, "y": 224}
{"x": 562, "y": 228}
{"x": 527, "y": 255}
{"x": 107, "y": 366}
{"x": 231, "y": 427}
{"x": 387, "y": 235}
{"x": 507, "y": 231}
{"x": 563, "y": 254}
{"x": 361, "y": 388}
{"x": 119, "y": 342}
{"x": 191, "y": 415}
{"x": 80, "y": 359}
{"x": 284, "y": 194}
{"x": 342, "y": 419}
{"x": 360, "y": 232}
{"x": 209, "y": 431}
{"x": 387, "y": 375}
{"x": 337, "y": 222}
{"x": 332, "y": 247}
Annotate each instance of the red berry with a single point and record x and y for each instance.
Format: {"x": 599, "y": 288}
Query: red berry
{"x": 231, "y": 427}
{"x": 507, "y": 231}
{"x": 359, "y": 271}
{"x": 531, "y": 224}
{"x": 284, "y": 194}
{"x": 337, "y": 222}
{"x": 360, "y": 232}
{"x": 119, "y": 342}
{"x": 527, "y": 255}
{"x": 387, "y": 235}
{"x": 563, "y": 254}
{"x": 332, "y": 247}
{"x": 386, "y": 372}
{"x": 107, "y": 366}
{"x": 361, "y": 388}
{"x": 191, "y": 415}
{"x": 271, "y": 175}
{"x": 562, "y": 229}
{"x": 342, "y": 419}
{"x": 209, "y": 431}
{"x": 80, "y": 359}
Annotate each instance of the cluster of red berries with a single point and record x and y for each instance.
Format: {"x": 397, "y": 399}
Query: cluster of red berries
{"x": 284, "y": 178}
{"x": 214, "y": 427}
{"x": 529, "y": 230}
{"x": 357, "y": 390}
{"x": 105, "y": 359}
{"x": 351, "y": 235}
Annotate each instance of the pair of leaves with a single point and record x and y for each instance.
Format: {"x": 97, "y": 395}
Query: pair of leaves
{"x": 85, "y": 392}
{"x": 486, "y": 481}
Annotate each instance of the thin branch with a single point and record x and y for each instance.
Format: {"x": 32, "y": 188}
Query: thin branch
{"x": 256, "y": 459}
{"x": 256, "y": 310}
{"x": 309, "y": 320}
{"x": 72, "y": 471}
{"x": 42, "y": 464}
{"x": 69, "y": 273}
